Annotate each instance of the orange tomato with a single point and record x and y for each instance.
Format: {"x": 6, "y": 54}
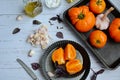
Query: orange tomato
{"x": 114, "y": 30}
{"x": 74, "y": 66}
{"x": 82, "y": 18}
{"x": 98, "y": 39}
{"x": 58, "y": 56}
{"x": 97, "y": 6}
{"x": 73, "y": 14}
{"x": 70, "y": 52}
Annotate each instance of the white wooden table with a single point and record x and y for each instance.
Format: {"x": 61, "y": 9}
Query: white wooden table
{"x": 13, "y": 46}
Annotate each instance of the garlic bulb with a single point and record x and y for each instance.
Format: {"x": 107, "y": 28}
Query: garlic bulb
{"x": 102, "y": 21}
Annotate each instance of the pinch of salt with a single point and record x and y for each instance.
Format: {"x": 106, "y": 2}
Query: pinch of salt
{"x": 31, "y": 53}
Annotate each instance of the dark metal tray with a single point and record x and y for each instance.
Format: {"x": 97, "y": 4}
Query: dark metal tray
{"x": 110, "y": 54}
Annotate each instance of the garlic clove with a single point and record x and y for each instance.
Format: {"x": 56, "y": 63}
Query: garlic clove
{"x": 31, "y": 53}
{"x": 50, "y": 74}
{"x": 19, "y": 17}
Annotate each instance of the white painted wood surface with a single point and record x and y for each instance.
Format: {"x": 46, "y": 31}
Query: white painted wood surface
{"x": 13, "y": 46}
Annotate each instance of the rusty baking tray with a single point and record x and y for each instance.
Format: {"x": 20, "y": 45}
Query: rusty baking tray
{"x": 110, "y": 54}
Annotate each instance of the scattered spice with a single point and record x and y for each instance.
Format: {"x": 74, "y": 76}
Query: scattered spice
{"x": 51, "y": 23}
{"x": 59, "y": 35}
{"x": 59, "y": 27}
{"x": 35, "y": 66}
{"x": 16, "y": 30}
{"x": 96, "y": 73}
{"x": 36, "y": 22}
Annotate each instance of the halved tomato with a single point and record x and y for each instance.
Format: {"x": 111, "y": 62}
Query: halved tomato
{"x": 70, "y": 52}
{"x": 58, "y": 56}
{"x": 74, "y": 66}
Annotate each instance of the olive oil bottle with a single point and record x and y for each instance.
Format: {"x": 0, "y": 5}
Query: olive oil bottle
{"x": 33, "y": 8}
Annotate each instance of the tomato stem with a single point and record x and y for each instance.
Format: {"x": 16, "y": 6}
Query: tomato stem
{"x": 119, "y": 27}
{"x": 99, "y": 2}
{"x": 98, "y": 41}
{"x": 81, "y": 16}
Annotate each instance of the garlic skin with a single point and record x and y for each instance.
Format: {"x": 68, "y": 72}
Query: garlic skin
{"x": 52, "y": 3}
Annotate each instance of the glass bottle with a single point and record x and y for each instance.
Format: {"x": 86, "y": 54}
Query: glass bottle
{"x": 32, "y": 7}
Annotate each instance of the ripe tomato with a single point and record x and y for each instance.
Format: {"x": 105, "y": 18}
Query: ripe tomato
{"x": 97, "y": 6}
{"x": 82, "y": 18}
{"x": 98, "y": 39}
{"x": 114, "y": 30}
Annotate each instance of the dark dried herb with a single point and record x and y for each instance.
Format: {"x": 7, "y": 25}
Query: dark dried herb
{"x": 59, "y": 35}
{"x": 59, "y": 19}
{"x": 16, "y": 30}
{"x": 96, "y": 73}
{"x": 54, "y": 18}
{"x": 35, "y": 66}
{"x": 36, "y": 22}
{"x": 59, "y": 27}
{"x": 50, "y": 23}
{"x": 60, "y": 70}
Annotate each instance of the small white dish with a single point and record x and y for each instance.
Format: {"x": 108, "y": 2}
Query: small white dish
{"x": 52, "y": 3}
